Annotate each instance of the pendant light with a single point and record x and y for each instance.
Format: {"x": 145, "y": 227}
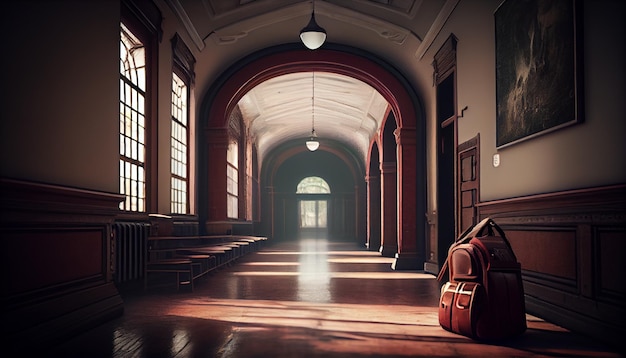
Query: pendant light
{"x": 312, "y": 144}
{"x": 313, "y": 36}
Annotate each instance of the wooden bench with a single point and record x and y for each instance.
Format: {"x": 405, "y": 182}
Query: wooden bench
{"x": 169, "y": 260}
{"x": 224, "y": 255}
{"x": 192, "y": 257}
{"x": 182, "y": 266}
{"x": 207, "y": 262}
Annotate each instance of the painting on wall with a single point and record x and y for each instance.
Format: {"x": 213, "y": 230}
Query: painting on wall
{"x": 538, "y": 68}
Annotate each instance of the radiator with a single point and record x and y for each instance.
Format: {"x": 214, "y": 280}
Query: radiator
{"x": 130, "y": 250}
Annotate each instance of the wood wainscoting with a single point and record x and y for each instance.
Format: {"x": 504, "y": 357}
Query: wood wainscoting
{"x": 572, "y": 247}
{"x": 55, "y": 261}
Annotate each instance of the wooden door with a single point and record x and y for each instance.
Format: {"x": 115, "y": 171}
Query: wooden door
{"x": 468, "y": 184}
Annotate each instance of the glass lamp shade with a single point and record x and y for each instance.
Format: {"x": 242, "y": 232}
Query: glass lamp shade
{"x": 312, "y": 144}
{"x": 313, "y": 36}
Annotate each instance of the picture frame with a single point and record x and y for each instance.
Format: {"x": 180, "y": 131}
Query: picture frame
{"x": 538, "y": 68}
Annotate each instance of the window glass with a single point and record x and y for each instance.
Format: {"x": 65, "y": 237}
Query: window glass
{"x": 313, "y": 185}
{"x": 132, "y": 121}
{"x": 178, "y": 151}
{"x": 232, "y": 183}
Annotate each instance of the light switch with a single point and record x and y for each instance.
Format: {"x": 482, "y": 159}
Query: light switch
{"x": 496, "y": 160}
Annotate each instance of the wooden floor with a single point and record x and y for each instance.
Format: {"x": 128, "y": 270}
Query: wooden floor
{"x": 307, "y": 298}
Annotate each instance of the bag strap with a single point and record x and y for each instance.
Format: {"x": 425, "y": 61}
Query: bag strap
{"x": 492, "y": 225}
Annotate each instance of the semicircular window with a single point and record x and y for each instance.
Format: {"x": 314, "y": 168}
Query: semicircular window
{"x": 313, "y": 211}
{"x": 313, "y": 185}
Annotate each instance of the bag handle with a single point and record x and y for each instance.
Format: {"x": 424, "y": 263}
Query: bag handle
{"x": 472, "y": 232}
{"x": 491, "y": 225}
{"x": 478, "y": 228}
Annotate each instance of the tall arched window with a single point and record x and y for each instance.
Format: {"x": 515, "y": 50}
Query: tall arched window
{"x": 182, "y": 79}
{"x": 179, "y": 152}
{"x": 313, "y": 197}
{"x": 140, "y": 33}
{"x": 236, "y": 167}
{"x": 232, "y": 184}
{"x": 132, "y": 121}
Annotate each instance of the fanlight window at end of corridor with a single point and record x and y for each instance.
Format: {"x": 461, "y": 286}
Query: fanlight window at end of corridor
{"x": 313, "y": 185}
{"x": 313, "y": 212}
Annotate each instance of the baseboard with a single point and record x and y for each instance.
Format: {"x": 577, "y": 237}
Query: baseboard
{"x": 72, "y": 312}
{"x": 602, "y": 331}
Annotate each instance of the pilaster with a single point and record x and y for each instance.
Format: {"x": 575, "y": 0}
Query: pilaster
{"x": 217, "y": 147}
{"x": 388, "y": 178}
{"x": 373, "y": 212}
{"x": 407, "y": 257}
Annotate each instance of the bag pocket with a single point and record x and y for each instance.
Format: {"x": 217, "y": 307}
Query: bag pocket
{"x": 460, "y": 306}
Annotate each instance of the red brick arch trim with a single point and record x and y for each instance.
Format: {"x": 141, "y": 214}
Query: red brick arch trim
{"x": 266, "y": 67}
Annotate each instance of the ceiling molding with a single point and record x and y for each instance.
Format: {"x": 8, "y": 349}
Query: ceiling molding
{"x": 409, "y": 11}
{"x": 180, "y": 12}
{"x": 232, "y": 33}
{"x": 436, "y": 27}
{"x": 384, "y": 29}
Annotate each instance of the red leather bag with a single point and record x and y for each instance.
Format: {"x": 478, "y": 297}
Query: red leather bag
{"x": 484, "y": 296}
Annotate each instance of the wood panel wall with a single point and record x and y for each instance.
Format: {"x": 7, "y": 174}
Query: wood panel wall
{"x": 572, "y": 247}
{"x": 55, "y": 261}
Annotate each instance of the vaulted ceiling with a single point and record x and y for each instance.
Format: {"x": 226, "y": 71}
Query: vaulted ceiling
{"x": 346, "y": 109}
{"x": 281, "y": 109}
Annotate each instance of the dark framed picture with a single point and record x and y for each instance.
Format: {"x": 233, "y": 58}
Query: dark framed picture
{"x": 538, "y": 68}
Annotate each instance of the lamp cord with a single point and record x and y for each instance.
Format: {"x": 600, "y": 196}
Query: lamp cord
{"x": 313, "y": 107}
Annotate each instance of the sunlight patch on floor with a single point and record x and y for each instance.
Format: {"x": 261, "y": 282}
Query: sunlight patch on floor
{"x": 361, "y": 260}
{"x": 362, "y": 318}
{"x": 327, "y": 253}
{"x": 268, "y": 263}
{"x": 396, "y": 275}
{"x": 398, "y": 330}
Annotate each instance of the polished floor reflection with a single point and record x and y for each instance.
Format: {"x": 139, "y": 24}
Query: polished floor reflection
{"x": 306, "y": 298}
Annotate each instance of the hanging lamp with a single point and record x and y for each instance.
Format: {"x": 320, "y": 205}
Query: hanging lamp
{"x": 313, "y": 36}
{"x": 312, "y": 144}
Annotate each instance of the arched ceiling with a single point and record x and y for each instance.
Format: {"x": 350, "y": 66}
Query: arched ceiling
{"x": 346, "y": 110}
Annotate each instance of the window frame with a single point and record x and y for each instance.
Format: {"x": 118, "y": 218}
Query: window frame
{"x": 313, "y": 190}
{"x": 183, "y": 65}
{"x": 232, "y": 197}
{"x": 144, "y": 22}
{"x": 177, "y": 201}
{"x": 133, "y": 141}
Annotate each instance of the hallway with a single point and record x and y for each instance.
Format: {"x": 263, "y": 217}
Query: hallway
{"x": 311, "y": 298}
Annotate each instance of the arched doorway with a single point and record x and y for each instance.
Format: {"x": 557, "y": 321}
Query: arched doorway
{"x": 290, "y": 165}
{"x": 403, "y": 102}
{"x": 313, "y": 194}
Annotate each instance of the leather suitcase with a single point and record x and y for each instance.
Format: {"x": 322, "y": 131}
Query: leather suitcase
{"x": 504, "y": 314}
{"x": 484, "y": 297}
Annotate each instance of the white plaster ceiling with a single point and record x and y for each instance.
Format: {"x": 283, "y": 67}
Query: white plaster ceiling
{"x": 281, "y": 109}
{"x": 346, "y": 110}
